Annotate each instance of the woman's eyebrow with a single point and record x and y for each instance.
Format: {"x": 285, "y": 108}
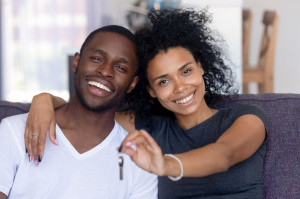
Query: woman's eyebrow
{"x": 165, "y": 75}
{"x": 184, "y": 66}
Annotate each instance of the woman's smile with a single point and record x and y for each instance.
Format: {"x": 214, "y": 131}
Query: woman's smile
{"x": 186, "y": 100}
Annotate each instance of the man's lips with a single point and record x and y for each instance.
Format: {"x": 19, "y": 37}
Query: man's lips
{"x": 99, "y": 85}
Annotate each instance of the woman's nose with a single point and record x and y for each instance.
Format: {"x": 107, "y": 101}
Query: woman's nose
{"x": 180, "y": 86}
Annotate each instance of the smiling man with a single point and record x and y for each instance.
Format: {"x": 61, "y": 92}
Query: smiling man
{"x": 85, "y": 164}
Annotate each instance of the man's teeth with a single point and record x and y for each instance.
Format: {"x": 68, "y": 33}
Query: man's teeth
{"x": 184, "y": 100}
{"x": 92, "y": 83}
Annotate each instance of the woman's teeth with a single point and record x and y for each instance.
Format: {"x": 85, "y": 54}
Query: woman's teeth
{"x": 98, "y": 85}
{"x": 184, "y": 100}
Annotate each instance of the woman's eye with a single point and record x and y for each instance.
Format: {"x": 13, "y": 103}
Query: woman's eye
{"x": 185, "y": 72}
{"x": 163, "y": 82}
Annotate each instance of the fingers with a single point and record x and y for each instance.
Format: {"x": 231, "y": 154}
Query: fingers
{"x": 52, "y": 133}
{"x": 41, "y": 145}
{"x": 135, "y": 137}
{"x": 27, "y": 140}
{"x": 35, "y": 141}
{"x": 40, "y": 119}
{"x": 139, "y": 137}
{"x": 34, "y": 147}
{"x": 142, "y": 140}
{"x": 149, "y": 138}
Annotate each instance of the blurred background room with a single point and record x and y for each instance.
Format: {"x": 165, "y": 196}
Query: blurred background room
{"x": 38, "y": 39}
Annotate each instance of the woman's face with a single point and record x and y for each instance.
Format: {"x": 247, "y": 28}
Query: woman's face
{"x": 175, "y": 79}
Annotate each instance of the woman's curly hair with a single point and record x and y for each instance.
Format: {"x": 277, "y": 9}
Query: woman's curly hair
{"x": 188, "y": 29}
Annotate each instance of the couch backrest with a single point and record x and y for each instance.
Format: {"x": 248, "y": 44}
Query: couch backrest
{"x": 12, "y": 108}
{"x": 282, "y": 161}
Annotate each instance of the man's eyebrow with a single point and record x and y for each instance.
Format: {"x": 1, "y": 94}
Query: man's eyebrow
{"x": 103, "y": 52}
{"x": 100, "y": 51}
{"x": 122, "y": 59}
{"x": 165, "y": 75}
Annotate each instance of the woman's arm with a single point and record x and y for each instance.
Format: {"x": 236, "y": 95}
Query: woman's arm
{"x": 237, "y": 144}
{"x": 41, "y": 118}
{"x": 2, "y": 195}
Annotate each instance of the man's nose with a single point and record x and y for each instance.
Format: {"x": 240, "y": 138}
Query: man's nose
{"x": 106, "y": 70}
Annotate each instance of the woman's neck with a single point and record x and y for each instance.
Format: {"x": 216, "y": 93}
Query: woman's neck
{"x": 189, "y": 121}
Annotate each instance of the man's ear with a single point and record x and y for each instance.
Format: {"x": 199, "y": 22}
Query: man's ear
{"x": 133, "y": 84}
{"x": 200, "y": 67}
{"x": 75, "y": 62}
{"x": 151, "y": 92}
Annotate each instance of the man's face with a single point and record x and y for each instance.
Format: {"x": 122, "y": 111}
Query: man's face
{"x": 105, "y": 71}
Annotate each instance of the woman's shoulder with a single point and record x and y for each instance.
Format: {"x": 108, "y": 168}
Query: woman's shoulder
{"x": 126, "y": 120}
{"x": 150, "y": 122}
{"x": 245, "y": 109}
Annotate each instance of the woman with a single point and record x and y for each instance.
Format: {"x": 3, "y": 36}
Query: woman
{"x": 219, "y": 153}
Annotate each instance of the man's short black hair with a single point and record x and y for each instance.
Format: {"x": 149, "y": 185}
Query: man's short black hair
{"x": 111, "y": 28}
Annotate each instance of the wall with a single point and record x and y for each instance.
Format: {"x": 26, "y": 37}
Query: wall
{"x": 227, "y": 20}
{"x": 287, "y": 61}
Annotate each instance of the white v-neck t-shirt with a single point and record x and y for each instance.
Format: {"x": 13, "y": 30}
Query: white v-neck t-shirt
{"x": 65, "y": 173}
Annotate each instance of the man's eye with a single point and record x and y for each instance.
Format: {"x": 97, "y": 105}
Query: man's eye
{"x": 97, "y": 59}
{"x": 120, "y": 68}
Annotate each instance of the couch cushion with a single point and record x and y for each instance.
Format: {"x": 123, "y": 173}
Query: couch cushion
{"x": 282, "y": 161}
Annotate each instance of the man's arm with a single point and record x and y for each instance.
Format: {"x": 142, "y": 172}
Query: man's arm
{"x": 10, "y": 153}
{"x": 2, "y": 196}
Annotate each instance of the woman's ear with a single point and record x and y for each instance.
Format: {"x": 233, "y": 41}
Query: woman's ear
{"x": 75, "y": 62}
{"x": 133, "y": 84}
{"x": 151, "y": 92}
{"x": 200, "y": 67}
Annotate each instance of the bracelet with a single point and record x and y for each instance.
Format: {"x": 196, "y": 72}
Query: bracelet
{"x": 181, "y": 168}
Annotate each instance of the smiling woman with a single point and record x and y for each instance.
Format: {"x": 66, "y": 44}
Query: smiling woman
{"x": 182, "y": 74}
{"x": 175, "y": 79}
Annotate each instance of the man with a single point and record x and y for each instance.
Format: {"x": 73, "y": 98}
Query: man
{"x": 85, "y": 164}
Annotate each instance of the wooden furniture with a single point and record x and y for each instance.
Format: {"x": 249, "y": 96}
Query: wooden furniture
{"x": 263, "y": 73}
{"x": 247, "y": 25}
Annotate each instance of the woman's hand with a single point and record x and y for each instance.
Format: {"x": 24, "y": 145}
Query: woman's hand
{"x": 41, "y": 119}
{"x": 147, "y": 155}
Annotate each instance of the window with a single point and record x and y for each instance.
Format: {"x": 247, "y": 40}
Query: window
{"x": 37, "y": 37}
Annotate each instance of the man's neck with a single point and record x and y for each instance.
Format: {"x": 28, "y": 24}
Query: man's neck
{"x": 84, "y": 129}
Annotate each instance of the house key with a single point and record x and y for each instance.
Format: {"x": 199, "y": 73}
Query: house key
{"x": 121, "y": 162}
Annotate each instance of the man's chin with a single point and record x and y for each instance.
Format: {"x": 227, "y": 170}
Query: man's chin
{"x": 98, "y": 108}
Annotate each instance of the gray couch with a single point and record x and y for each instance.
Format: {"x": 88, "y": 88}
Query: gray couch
{"x": 282, "y": 161}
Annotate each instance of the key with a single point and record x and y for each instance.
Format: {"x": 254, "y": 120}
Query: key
{"x": 121, "y": 162}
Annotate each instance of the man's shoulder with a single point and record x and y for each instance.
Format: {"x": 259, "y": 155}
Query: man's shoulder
{"x": 119, "y": 130}
{"x": 14, "y": 124}
{"x": 20, "y": 118}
